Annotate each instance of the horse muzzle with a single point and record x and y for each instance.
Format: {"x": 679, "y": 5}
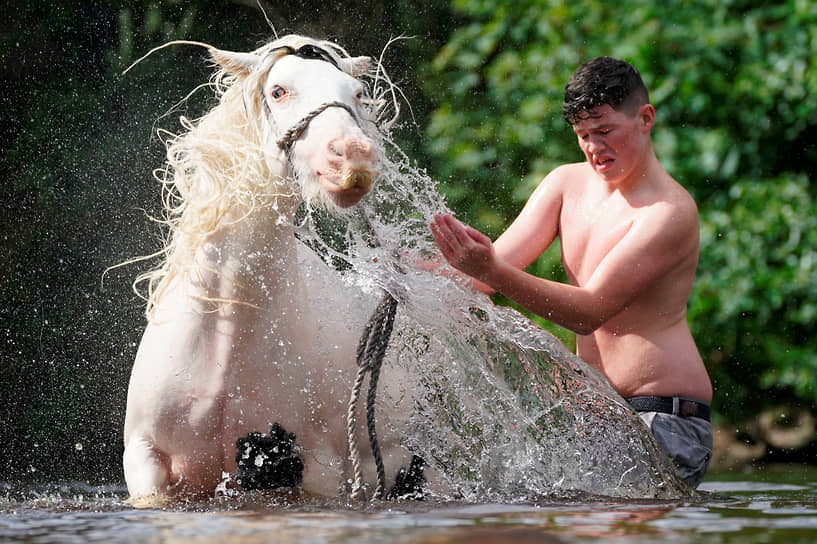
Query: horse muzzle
{"x": 350, "y": 187}
{"x": 350, "y": 170}
{"x": 356, "y": 177}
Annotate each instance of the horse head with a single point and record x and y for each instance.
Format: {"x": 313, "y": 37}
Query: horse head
{"x": 313, "y": 110}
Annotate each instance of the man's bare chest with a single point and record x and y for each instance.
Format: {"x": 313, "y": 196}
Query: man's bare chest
{"x": 588, "y": 233}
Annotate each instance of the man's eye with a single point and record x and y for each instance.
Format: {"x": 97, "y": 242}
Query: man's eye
{"x": 278, "y": 92}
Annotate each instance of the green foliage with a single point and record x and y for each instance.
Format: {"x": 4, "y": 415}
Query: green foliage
{"x": 757, "y": 290}
{"x": 734, "y": 84}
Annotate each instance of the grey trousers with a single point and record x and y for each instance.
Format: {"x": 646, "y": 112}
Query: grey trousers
{"x": 686, "y": 440}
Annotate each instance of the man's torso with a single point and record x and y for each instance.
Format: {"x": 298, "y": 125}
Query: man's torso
{"x": 646, "y": 349}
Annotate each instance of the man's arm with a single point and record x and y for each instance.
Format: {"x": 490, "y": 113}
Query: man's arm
{"x": 471, "y": 252}
{"x": 530, "y": 234}
{"x": 537, "y": 225}
{"x": 654, "y": 245}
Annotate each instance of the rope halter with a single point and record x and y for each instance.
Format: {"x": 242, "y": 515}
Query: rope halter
{"x": 290, "y": 136}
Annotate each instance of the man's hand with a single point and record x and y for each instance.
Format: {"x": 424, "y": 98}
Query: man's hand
{"x": 464, "y": 247}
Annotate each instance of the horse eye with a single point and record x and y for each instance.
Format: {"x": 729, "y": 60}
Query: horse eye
{"x": 362, "y": 97}
{"x": 278, "y": 92}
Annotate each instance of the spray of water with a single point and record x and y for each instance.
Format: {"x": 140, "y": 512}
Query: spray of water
{"x": 498, "y": 406}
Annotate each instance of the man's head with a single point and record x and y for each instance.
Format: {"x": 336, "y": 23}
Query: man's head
{"x": 603, "y": 81}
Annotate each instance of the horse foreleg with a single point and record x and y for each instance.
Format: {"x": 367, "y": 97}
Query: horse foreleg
{"x": 147, "y": 474}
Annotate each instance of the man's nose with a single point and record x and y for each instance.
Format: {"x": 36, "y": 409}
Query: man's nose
{"x": 594, "y": 143}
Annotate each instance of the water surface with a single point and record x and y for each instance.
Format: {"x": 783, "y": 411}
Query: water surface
{"x": 770, "y": 507}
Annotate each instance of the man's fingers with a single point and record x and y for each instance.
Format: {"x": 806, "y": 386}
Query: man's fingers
{"x": 477, "y": 236}
{"x": 443, "y": 229}
{"x": 457, "y": 230}
{"x": 441, "y": 236}
{"x": 454, "y": 237}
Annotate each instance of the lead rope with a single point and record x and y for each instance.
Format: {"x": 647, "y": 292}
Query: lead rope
{"x": 370, "y": 353}
{"x": 385, "y": 325}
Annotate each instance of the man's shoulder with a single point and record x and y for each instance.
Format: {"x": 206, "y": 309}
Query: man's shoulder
{"x": 662, "y": 195}
{"x": 571, "y": 169}
{"x": 568, "y": 175}
{"x": 678, "y": 202}
{"x": 671, "y": 219}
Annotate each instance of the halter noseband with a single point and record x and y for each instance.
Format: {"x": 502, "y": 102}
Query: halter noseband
{"x": 288, "y": 139}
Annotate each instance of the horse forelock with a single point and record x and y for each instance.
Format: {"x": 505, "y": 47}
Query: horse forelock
{"x": 293, "y": 43}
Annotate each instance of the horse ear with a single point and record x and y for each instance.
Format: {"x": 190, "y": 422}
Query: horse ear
{"x": 356, "y": 66}
{"x": 240, "y": 64}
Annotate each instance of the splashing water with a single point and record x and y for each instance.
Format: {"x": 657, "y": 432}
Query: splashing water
{"x": 499, "y": 406}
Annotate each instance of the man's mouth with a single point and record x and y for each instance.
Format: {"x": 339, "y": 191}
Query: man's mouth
{"x": 604, "y": 162}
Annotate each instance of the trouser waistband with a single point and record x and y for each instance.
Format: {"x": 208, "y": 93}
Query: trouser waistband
{"x": 678, "y": 406}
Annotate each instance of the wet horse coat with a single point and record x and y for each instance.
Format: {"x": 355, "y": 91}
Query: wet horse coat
{"x": 230, "y": 346}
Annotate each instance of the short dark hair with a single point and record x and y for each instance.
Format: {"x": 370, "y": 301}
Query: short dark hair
{"x": 603, "y": 81}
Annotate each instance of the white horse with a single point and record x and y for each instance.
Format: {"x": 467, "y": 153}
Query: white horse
{"x": 230, "y": 348}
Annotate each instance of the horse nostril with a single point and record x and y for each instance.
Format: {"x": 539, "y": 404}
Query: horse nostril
{"x": 352, "y": 149}
{"x": 334, "y": 149}
{"x": 359, "y": 149}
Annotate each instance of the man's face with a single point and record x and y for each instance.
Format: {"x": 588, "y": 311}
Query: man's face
{"x": 613, "y": 142}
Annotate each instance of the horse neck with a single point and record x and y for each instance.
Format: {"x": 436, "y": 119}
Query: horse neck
{"x": 250, "y": 258}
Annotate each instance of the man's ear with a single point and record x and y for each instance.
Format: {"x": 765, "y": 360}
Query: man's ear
{"x": 646, "y": 114}
{"x": 235, "y": 63}
{"x": 356, "y": 66}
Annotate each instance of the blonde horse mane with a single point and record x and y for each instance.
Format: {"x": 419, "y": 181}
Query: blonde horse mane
{"x": 218, "y": 170}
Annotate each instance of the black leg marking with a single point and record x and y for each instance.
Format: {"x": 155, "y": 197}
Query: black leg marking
{"x": 409, "y": 483}
{"x": 267, "y": 462}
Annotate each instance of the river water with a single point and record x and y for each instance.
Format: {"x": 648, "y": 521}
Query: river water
{"x": 777, "y": 506}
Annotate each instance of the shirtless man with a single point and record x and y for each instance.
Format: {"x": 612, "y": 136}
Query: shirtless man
{"x": 629, "y": 240}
